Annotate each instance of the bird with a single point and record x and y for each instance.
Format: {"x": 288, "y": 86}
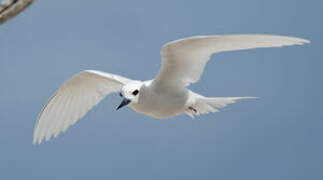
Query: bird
{"x": 165, "y": 96}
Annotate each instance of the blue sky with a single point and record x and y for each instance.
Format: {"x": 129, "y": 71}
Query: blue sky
{"x": 276, "y": 137}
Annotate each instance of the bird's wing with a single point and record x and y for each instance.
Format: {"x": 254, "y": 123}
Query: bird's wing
{"x": 73, "y": 100}
{"x": 183, "y": 60}
{"x": 11, "y": 8}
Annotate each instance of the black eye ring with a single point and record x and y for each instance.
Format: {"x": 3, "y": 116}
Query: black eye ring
{"x": 135, "y": 92}
{"x": 120, "y": 94}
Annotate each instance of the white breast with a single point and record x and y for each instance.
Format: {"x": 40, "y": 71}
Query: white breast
{"x": 160, "y": 104}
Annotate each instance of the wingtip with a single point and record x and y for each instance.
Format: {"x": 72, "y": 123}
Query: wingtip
{"x": 306, "y": 41}
{"x": 301, "y": 41}
{"x": 36, "y": 141}
{"x": 36, "y": 138}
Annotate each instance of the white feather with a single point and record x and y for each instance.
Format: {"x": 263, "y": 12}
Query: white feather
{"x": 73, "y": 100}
{"x": 183, "y": 60}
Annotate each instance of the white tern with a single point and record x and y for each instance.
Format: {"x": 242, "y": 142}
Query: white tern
{"x": 165, "y": 96}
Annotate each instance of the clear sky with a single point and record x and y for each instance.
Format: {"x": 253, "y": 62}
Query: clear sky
{"x": 276, "y": 137}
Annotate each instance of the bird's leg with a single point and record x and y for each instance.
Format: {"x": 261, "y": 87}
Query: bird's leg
{"x": 192, "y": 109}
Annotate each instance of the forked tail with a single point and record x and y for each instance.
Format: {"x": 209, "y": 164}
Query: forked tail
{"x": 203, "y": 105}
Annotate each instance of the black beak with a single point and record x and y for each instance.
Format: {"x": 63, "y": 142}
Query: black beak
{"x": 124, "y": 103}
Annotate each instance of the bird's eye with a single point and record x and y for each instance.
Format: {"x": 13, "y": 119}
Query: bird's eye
{"x": 120, "y": 94}
{"x": 135, "y": 92}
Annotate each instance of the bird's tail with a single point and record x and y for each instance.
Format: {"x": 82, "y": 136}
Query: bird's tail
{"x": 204, "y": 105}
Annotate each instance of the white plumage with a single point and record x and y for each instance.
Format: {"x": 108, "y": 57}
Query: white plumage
{"x": 75, "y": 98}
{"x": 183, "y": 62}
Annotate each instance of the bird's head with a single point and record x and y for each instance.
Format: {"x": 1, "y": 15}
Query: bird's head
{"x": 130, "y": 93}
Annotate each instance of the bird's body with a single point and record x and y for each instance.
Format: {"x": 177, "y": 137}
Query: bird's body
{"x": 166, "y": 95}
{"x": 165, "y": 104}
{"x": 160, "y": 104}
